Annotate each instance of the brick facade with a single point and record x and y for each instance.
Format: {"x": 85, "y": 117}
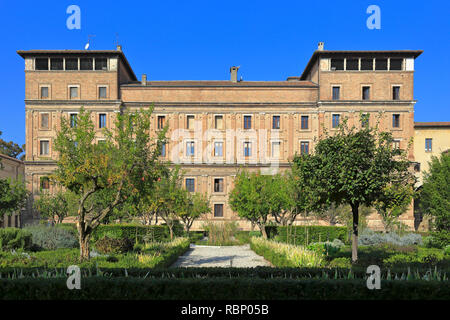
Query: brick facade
{"x": 230, "y": 103}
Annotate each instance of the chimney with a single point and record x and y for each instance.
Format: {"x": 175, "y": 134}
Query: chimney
{"x": 144, "y": 79}
{"x": 233, "y": 72}
{"x": 119, "y": 47}
{"x": 320, "y": 46}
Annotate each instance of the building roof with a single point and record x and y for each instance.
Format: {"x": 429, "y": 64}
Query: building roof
{"x": 4, "y": 156}
{"x": 317, "y": 53}
{"x": 431, "y": 124}
{"x": 25, "y": 53}
{"x": 222, "y": 83}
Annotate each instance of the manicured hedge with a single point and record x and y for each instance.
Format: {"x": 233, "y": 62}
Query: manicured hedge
{"x": 125, "y": 288}
{"x": 304, "y": 235}
{"x": 161, "y": 271}
{"x": 14, "y": 238}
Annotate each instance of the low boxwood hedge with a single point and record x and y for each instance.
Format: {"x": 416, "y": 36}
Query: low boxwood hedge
{"x": 125, "y": 288}
{"x": 304, "y": 235}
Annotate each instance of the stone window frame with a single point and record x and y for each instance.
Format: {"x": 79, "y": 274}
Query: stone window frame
{"x": 280, "y": 156}
{"x": 332, "y": 86}
{"x": 98, "y": 91}
{"x": 49, "y": 88}
{"x": 41, "y": 128}
{"x": 69, "y": 86}
{"x": 309, "y": 122}
{"x": 251, "y": 121}
{"x": 98, "y": 120}
{"x": 69, "y": 113}
{"x": 224, "y": 191}
{"x": 399, "y": 93}
{"x": 157, "y": 116}
{"x": 279, "y": 127}
{"x": 49, "y": 140}
{"x": 331, "y": 120}
{"x": 194, "y": 184}
{"x": 214, "y": 210}
{"x": 400, "y": 126}
{"x": 223, "y": 121}
{"x": 431, "y": 142}
{"x": 187, "y": 122}
{"x": 370, "y": 85}
{"x": 300, "y": 141}
{"x": 214, "y": 148}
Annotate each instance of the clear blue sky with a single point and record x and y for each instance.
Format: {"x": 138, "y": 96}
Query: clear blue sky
{"x": 200, "y": 40}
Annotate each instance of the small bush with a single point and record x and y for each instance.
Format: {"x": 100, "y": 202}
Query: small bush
{"x": 327, "y": 248}
{"x": 221, "y": 233}
{"x": 304, "y": 235}
{"x": 14, "y": 238}
{"x": 52, "y": 238}
{"x": 111, "y": 245}
{"x": 286, "y": 255}
{"x": 340, "y": 263}
{"x": 370, "y": 238}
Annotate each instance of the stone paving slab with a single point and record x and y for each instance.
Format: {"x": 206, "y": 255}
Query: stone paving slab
{"x": 215, "y": 256}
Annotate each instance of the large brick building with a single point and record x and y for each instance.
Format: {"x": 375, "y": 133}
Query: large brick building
{"x": 215, "y": 127}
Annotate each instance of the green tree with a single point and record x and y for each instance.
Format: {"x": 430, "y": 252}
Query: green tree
{"x": 283, "y": 199}
{"x": 13, "y": 196}
{"x": 394, "y": 201}
{"x": 353, "y": 166}
{"x": 435, "y": 197}
{"x": 10, "y": 148}
{"x": 104, "y": 175}
{"x": 197, "y": 204}
{"x": 250, "y": 198}
{"x": 56, "y": 206}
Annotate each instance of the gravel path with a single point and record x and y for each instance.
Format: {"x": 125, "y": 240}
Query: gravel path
{"x": 214, "y": 256}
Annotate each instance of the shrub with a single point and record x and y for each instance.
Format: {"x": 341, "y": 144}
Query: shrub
{"x": 14, "y": 238}
{"x": 221, "y": 233}
{"x": 341, "y": 262}
{"x": 51, "y": 238}
{"x": 111, "y": 245}
{"x": 327, "y": 248}
{"x": 370, "y": 238}
{"x": 308, "y": 234}
{"x": 285, "y": 255}
{"x": 136, "y": 233}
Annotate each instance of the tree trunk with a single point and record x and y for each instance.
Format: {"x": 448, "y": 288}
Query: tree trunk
{"x": 84, "y": 246}
{"x": 171, "y": 232}
{"x": 355, "y": 208}
{"x": 263, "y": 230}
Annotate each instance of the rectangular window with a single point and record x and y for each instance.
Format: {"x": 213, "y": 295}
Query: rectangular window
{"x": 395, "y": 93}
{"x": 247, "y": 122}
{"x": 45, "y": 183}
{"x": 73, "y": 92}
{"x": 102, "y": 120}
{"x": 396, "y": 64}
{"x": 276, "y": 149}
{"x": 163, "y": 149}
{"x": 73, "y": 120}
{"x": 71, "y": 63}
{"x": 365, "y": 93}
{"x": 428, "y": 144}
{"x": 44, "y": 92}
{"x": 44, "y": 148}
{"x": 56, "y": 64}
{"x": 218, "y": 149}
{"x": 190, "y": 148}
{"x": 380, "y": 64}
{"x": 190, "y": 122}
{"x": 44, "y": 120}
{"x": 218, "y": 185}
{"x": 276, "y": 122}
{"x": 396, "y": 121}
{"x": 337, "y": 64}
{"x": 335, "y": 120}
{"x": 218, "y": 210}
{"x": 366, "y": 64}
{"x": 102, "y": 92}
{"x": 86, "y": 64}
{"x": 352, "y": 64}
{"x": 161, "y": 122}
{"x": 190, "y": 184}
{"x": 247, "y": 149}
{"x": 336, "y": 93}
{"x": 304, "y": 123}
{"x": 396, "y": 144}
{"x": 101, "y": 64}
{"x": 41, "y": 63}
{"x": 218, "y": 122}
{"x": 365, "y": 120}
{"x": 304, "y": 147}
